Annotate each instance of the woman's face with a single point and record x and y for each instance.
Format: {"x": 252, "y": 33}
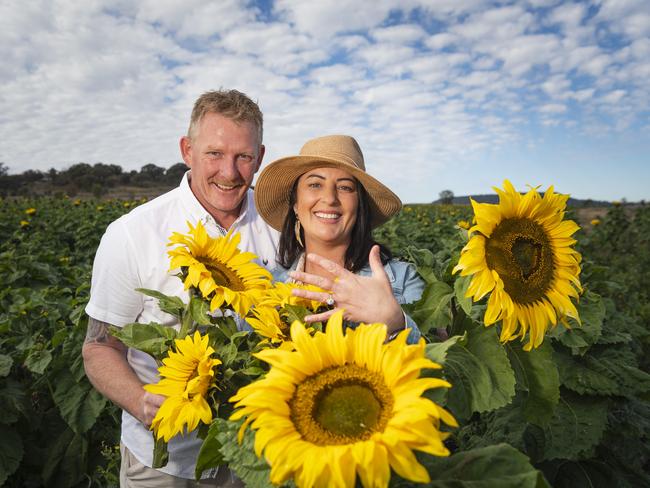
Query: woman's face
{"x": 326, "y": 205}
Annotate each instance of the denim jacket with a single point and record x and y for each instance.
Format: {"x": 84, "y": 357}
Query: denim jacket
{"x": 404, "y": 279}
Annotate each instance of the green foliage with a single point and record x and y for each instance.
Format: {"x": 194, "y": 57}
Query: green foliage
{"x": 494, "y": 466}
{"x": 241, "y": 458}
{"x": 538, "y": 377}
{"x": 577, "y": 407}
{"x": 479, "y": 372}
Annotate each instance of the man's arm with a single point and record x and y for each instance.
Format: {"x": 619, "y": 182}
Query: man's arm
{"x": 110, "y": 373}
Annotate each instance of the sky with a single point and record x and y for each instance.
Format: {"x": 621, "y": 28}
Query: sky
{"x": 440, "y": 94}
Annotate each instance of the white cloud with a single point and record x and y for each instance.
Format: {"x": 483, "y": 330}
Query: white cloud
{"x": 434, "y": 83}
{"x": 553, "y": 108}
{"x": 399, "y": 34}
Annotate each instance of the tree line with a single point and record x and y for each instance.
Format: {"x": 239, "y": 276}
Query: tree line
{"x": 97, "y": 179}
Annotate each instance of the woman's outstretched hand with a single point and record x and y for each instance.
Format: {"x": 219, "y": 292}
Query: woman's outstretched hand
{"x": 366, "y": 299}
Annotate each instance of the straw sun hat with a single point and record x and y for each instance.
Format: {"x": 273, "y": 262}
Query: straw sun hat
{"x": 276, "y": 180}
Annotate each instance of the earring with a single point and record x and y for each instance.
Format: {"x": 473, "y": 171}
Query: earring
{"x": 296, "y": 229}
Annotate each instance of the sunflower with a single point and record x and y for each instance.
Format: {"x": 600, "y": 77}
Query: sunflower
{"x": 521, "y": 251}
{"x": 341, "y": 405}
{"x": 218, "y": 269}
{"x": 267, "y": 323}
{"x": 187, "y": 375}
{"x": 280, "y": 296}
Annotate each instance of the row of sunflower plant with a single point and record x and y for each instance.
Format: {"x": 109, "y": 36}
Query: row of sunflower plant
{"x": 535, "y": 402}
{"x": 56, "y": 429}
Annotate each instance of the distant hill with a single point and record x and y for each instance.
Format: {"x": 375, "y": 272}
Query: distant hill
{"x": 494, "y": 198}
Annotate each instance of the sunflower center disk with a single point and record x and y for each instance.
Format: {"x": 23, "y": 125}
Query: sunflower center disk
{"x": 341, "y": 405}
{"x": 224, "y": 276}
{"x": 520, "y": 251}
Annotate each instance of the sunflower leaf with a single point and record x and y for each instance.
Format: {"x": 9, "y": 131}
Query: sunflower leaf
{"x": 607, "y": 374}
{"x": 173, "y": 305}
{"x": 5, "y": 365}
{"x": 433, "y": 309}
{"x": 209, "y": 456}
{"x": 437, "y": 351}
{"x": 240, "y": 457}
{"x": 576, "y": 428}
{"x": 11, "y": 453}
{"x": 294, "y": 312}
{"x": 580, "y": 337}
{"x": 537, "y": 375}
{"x": 480, "y": 373}
{"x": 78, "y": 402}
{"x": 498, "y": 465}
{"x": 461, "y": 284}
{"x": 152, "y": 338}
{"x": 199, "y": 310}
{"x": 66, "y": 460}
{"x": 38, "y": 360}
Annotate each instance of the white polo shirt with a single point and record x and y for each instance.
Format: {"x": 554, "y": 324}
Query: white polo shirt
{"x": 133, "y": 254}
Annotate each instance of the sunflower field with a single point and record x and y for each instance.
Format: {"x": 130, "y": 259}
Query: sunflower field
{"x": 536, "y": 404}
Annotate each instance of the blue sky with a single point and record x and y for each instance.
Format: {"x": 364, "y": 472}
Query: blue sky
{"x": 440, "y": 94}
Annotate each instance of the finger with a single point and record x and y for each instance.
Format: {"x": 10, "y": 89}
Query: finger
{"x": 319, "y": 317}
{"x": 310, "y": 295}
{"x": 312, "y": 279}
{"x": 153, "y": 399}
{"x": 327, "y": 265}
{"x": 374, "y": 259}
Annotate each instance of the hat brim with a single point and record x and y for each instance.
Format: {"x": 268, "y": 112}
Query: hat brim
{"x": 273, "y": 187}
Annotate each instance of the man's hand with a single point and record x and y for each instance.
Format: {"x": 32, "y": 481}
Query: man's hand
{"x": 150, "y": 405}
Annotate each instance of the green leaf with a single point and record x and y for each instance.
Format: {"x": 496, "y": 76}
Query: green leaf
{"x": 424, "y": 261}
{"x": 5, "y": 365}
{"x": 66, "y": 461}
{"x": 461, "y": 284}
{"x": 241, "y": 458}
{"x": 576, "y": 427}
{"x": 602, "y": 375}
{"x": 591, "y": 310}
{"x": 582, "y": 474}
{"x": 11, "y": 453}
{"x": 291, "y": 313}
{"x": 479, "y": 372}
{"x": 79, "y": 403}
{"x": 209, "y": 456}
{"x": 537, "y": 375}
{"x": 151, "y": 338}
{"x": 199, "y": 309}
{"x": 433, "y": 310}
{"x": 38, "y": 360}
{"x": 437, "y": 351}
{"x": 499, "y": 465}
{"x": 173, "y": 305}
{"x": 13, "y": 401}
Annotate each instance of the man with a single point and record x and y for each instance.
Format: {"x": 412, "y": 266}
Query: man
{"x": 223, "y": 149}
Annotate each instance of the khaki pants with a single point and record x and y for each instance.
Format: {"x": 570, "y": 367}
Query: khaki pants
{"x": 134, "y": 474}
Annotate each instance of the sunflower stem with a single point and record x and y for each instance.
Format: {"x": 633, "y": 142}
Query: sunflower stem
{"x": 160, "y": 454}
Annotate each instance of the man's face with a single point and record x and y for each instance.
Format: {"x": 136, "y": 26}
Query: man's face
{"x": 224, "y": 156}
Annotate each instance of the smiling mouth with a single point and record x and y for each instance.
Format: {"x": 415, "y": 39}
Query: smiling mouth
{"x": 327, "y": 215}
{"x": 225, "y": 187}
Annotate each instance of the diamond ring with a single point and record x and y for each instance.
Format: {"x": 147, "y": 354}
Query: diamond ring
{"x": 330, "y": 300}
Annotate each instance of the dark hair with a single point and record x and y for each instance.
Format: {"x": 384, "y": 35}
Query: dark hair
{"x": 361, "y": 240}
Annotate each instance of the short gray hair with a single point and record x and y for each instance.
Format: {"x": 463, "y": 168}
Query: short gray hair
{"x": 232, "y": 104}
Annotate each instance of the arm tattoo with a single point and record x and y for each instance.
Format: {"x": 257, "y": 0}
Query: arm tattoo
{"x": 97, "y": 332}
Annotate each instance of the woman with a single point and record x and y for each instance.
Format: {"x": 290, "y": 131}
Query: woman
{"x": 325, "y": 205}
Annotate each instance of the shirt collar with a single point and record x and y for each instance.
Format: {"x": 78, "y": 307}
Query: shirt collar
{"x": 197, "y": 212}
